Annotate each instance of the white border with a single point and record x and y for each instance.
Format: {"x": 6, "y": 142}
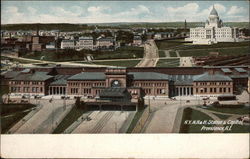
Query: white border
{"x": 126, "y": 146}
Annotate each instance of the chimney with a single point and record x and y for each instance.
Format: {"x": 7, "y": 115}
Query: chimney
{"x": 37, "y": 30}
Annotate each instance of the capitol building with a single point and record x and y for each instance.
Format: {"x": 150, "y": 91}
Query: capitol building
{"x": 213, "y": 32}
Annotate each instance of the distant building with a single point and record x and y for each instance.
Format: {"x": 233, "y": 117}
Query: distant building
{"x": 86, "y": 43}
{"x": 213, "y": 32}
{"x": 163, "y": 35}
{"x": 39, "y": 42}
{"x": 105, "y": 43}
{"x": 50, "y": 46}
{"x": 137, "y": 41}
{"x": 68, "y": 44}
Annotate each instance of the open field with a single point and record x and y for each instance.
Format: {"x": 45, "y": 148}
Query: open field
{"x": 167, "y": 44}
{"x": 73, "y": 55}
{"x": 222, "y": 51}
{"x": 218, "y": 45}
{"x": 175, "y": 62}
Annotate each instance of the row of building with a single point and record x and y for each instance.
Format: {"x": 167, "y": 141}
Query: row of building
{"x": 156, "y": 82}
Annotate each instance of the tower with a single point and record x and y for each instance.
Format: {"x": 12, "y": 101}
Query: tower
{"x": 185, "y": 25}
{"x": 213, "y": 19}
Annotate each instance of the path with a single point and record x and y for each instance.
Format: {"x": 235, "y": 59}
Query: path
{"x": 151, "y": 55}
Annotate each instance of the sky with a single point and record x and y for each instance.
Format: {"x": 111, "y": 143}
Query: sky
{"x": 120, "y": 11}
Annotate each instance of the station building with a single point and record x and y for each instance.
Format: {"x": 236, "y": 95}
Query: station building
{"x": 138, "y": 82}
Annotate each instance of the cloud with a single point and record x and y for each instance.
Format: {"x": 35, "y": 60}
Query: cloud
{"x": 11, "y": 14}
{"x": 101, "y": 13}
{"x": 32, "y": 10}
{"x": 191, "y": 12}
{"x": 236, "y": 10}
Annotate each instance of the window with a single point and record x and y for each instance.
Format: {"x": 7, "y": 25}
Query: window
{"x": 214, "y": 90}
{"x": 205, "y": 90}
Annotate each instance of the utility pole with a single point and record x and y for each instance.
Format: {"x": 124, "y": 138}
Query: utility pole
{"x": 149, "y": 109}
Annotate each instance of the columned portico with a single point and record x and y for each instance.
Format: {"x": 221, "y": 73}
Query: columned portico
{"x": 57, "y": 90}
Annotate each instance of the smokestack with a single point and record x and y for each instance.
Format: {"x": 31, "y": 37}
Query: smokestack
{"x": 37, "y": 30}
{"x": 185, "y": 25}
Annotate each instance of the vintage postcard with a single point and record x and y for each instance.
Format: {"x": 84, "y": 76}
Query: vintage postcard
{"x": 124, "y": 67}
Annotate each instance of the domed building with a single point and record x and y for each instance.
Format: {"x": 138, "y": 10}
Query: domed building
{"x": 213, "y": 32}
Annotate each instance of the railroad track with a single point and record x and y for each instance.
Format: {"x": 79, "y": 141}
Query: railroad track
{"x": 102, "y": 122}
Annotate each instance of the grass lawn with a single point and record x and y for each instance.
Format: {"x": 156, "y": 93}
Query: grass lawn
{"x": 136, "y": 118}
{"x": 222, "y": 51}
{"x": 162, "y": 53}
{"x": 11, "y": 114}
{"x": 73, "y": 55}
{"x": 218, "y": 45}
{"x": 175, "y": 62}
{"x": 191, "y": 114}
{"x": 243, "y": 110}
{"x": 123, "y": 63}
{"x": 172, "y": 54}
{"x": 168, "y": 44}
{"x": 126, "y": 52}
{"x": 69, "y": 119}
{"x": 221, "y": 116}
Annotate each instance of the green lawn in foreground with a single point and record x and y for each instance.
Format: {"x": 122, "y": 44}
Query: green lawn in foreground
{"x": 191, "y": 114}
{"x": 175, "y": 62}
{"x": 136, "y": 118}
{"x": 11, "y": 114}
{"x": 222, "y": 51}
{"x": 69, "y": 119}
{"x": 242, "y": 110}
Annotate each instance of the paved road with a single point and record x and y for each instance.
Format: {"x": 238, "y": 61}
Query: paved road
{"x": 151, "y": 55}
{"x": 46, "y": 119}
{"x": 163, "y": 115}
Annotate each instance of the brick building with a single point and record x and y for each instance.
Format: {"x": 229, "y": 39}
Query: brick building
{"x": 154, "y": 82}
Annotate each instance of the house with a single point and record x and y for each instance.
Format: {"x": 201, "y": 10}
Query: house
{"x": 68, "y": 44}
{"x": 86, "y": 43}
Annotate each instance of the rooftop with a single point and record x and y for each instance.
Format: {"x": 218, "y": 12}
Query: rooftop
{"x": 211, "y": 77}
{"x": 149, "y": 76}
{"x": 88, "y": 76}
{"x": 36, "y": 76}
